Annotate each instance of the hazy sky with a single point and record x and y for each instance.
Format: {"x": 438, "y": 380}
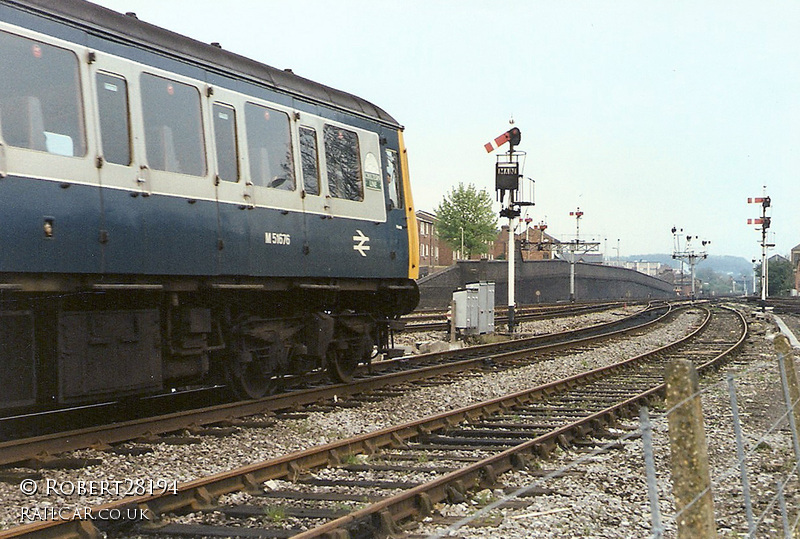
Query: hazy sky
{"x": 645, "y": 114}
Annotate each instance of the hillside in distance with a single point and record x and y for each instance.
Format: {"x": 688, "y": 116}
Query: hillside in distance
{"x": 723, "y": 264}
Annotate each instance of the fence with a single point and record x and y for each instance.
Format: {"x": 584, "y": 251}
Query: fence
{"x": 682, "y": 496}
{"x": 693, "y": 485}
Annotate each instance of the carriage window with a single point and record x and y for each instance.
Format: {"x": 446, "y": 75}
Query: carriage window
{"x": 225, "y": 138}
{"x": 342, "y": 158}
{"x": 173, "y": 128}
{"x": 269, "y": 147}
{"x": 310, "y": 157}
{"x": 112, "y": 107}
{"x": 393, "y": 179}
{"x": 40, "y": 100}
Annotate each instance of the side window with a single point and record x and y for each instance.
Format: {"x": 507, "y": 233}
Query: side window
{"x": 173, "y": 126}
{"x": 343, "y": 160}
{"x": 310, "y": 157}
{"x": 269, "y": 147}
{"x": 393, "y": 186}
{"x": 40, "y": 98}
{"x": 225, "y": 139}
{"x": 112, "y": 108}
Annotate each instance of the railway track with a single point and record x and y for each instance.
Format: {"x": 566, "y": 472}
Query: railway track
{"x": 38, "y": 450}
{"x": 371, "y": 483}
{"x": 781, "y": 305}
{"x": 438, "y": 320}
{"x": 785, "y": 305}
{"x": 35, "y": 423}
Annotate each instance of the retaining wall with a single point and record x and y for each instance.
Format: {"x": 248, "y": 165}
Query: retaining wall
{"x": 550, "y": 278}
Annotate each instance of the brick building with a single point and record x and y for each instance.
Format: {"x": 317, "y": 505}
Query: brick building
{"x": 795, "y": 256}
{"x": 528, "y": 242}
{"x": 434, "y": 254}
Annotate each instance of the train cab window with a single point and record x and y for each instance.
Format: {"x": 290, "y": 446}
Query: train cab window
{"x": 269, "y": 147}
{"x": 112, "y": 108}
{"x": 173, "y": 126}
{"x": 310, "y": 158}
{"x": 393, "y": 179}
{"x": 225, "y": 139}
{"x": 41, "y": 107}
{"x": 343, "y": 160}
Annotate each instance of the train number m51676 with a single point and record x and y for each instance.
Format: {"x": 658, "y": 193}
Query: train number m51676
{"x": 277, "y": 238}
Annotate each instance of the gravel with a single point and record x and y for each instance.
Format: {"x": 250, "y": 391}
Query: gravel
{"x": 414, "y": 340}
{"x": 604, "y": 497}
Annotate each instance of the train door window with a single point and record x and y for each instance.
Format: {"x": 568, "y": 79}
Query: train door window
{"x": 112, "y": 108}
{"x": 173, "y": 126}
{"x": 310, "y": 157}
{"x": 269, "y": 147}
{"x": 225, "y": 139}
{"x": 393, "y": 179}
{"x": 41, "y": 107}
{"x": 343, "y": 160}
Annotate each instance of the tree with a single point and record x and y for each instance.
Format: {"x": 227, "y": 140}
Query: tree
{"x": 466, "y": 213}
{"x": 714, "y": 283}
{"x": 781, "y": 277}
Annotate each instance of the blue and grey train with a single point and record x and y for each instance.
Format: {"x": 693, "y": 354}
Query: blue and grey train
{"x": 175, "y": 214}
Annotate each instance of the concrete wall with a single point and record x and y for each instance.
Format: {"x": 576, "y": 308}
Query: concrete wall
{"x": 549, "y": 277}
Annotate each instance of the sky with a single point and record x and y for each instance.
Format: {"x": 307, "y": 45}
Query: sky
{"x": 644, "y": 114}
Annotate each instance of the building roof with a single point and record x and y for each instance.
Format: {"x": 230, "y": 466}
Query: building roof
{"x": 428, "y": 217}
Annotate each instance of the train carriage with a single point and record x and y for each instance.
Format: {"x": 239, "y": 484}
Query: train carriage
{"x": 172, "y": 213}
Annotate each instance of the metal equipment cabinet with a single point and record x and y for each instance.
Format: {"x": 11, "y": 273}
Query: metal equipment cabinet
{"x": 473, "y": 309}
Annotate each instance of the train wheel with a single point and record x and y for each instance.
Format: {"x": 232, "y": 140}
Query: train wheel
{"x": 247, "y": 379}
{"x": 341, "y": 364}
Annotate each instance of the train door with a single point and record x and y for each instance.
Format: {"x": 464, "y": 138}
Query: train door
{"x": 49, "y": 196}
{"x": 181, "y": 210}
{"x": 124, "y": 186}
{"x": 397, "y": 223}
{"x": 276, "y": 223}
{"x": 234, "y": 192}
{"x": 316, "y": 210}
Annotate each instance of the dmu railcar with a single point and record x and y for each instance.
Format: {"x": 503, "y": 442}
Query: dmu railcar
{"x": 173, "y": 214}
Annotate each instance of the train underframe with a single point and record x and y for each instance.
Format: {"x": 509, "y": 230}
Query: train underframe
{"x": 135, "y": 339}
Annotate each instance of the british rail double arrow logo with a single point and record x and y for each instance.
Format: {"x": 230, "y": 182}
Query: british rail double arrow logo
{"x": 361, "y": 243}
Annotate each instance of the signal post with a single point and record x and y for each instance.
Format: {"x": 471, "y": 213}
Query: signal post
{"x": 507, "y": 175}
{"x": 574, "y": 248}
{"x": 689, "y": 255}
{"x": 765, "y": 223}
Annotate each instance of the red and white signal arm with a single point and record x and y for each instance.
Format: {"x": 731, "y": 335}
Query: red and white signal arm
{"x": 512, "y": 135}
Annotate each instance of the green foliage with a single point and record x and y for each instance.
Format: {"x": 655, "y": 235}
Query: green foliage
{"x": 275, "y": 513}
{"x": 351, "y": 458}
{"x": 484, "y": 497}
{"x": 781, "y": 277}
{"x": 465, "y": 208}
{"x": 714, "y": 283}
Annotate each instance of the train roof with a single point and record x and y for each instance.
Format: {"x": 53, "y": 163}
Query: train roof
{"x": 103, "y": 21}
